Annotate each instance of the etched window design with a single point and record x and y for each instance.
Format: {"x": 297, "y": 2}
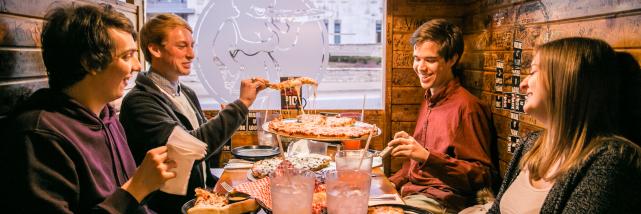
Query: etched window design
{"x": 323, "y": 39}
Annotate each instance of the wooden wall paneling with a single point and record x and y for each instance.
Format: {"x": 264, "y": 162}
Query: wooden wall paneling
{"x": 525, "y": 128}
{"x": 401, "y": 42}
{"x": 554, "y": 10}
{"x": 473, "y": 79}
{"x": 489, "y": 80}
{"x": 485, "y": 60}
{"x": 408, "y": 24}
{"x": 403, "y": 126}
{"x": 29, "y": 8}
{"x": 619, "y": 32}
{"x": 407, "y": 95}
{"x": 487, "y": 98}
{"x": 387, "y": 126}
{"x": 502, "y": 146}
{"x": 405, "y": 113}
{"x": 21, "y": 63}
{"x": 22, "y": 70}
{"x": 500, "y": 112}
{"x": 442, "y": 8}
{"x": 402, "y": 59}
{"x": 15, "y": 92}
{"x": 493, "y": 4}
{"x": 502, "y": 125}
{"x": 16, "y": 31}
{"x": 526, "y": 118}
{"x": 471, "y": 59}
{"x": 404, "y": 77}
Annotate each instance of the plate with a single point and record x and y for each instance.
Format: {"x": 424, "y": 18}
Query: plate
{"x": 293, "y": 120}
{"x": 251, "y": 177}
{"x": 254, "y": 152}
{"x": 407, "y": 209}
{"x": 189, "y": 204}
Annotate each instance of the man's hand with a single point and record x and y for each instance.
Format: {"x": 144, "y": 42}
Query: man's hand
{"x": 401, "y": 134}
{"x": 406, "y": 146}
{"x": 152, "y": 173}
{"x": 249, "y": 89}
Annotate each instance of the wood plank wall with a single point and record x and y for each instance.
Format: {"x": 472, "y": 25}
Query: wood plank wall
{"x": 493, "y": 25}
{"x": 22, "y": 70}
{"x": 490, "y": 29}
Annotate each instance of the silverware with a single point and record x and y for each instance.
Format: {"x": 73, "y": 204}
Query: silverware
{"x": 227, "y": 187}
{"x": 385, "y": 152}
{"x": 383, "y": 198}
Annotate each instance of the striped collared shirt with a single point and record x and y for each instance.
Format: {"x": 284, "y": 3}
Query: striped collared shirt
{"x": 172, "y": 88}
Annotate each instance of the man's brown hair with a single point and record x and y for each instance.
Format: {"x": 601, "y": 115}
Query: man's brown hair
{"x": 155, "y": 31}
{"x": 444, "y": 33}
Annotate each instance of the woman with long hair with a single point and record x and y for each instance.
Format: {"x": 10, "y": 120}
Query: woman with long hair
{"x": 583, "y": 162}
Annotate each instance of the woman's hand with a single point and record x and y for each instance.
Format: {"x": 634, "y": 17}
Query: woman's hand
{"x": 151, "y": 174}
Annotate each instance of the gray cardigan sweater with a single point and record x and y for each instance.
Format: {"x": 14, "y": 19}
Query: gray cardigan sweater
{"x": 608, "y": 182}
{"x": 149, "y": 117}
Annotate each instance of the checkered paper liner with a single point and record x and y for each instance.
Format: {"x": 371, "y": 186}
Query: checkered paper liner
{"x": 260, "y": 188}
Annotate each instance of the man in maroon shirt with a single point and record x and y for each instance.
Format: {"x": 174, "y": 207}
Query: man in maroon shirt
{"x": 449, "y": 154}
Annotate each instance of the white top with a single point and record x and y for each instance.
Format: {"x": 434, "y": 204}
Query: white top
{"x": 523, "y": 198}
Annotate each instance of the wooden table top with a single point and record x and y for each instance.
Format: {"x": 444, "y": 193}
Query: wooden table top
{"x": 380, "y": 184}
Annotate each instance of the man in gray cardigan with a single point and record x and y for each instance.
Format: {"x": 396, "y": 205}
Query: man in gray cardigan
{"x": 159, "y": 102}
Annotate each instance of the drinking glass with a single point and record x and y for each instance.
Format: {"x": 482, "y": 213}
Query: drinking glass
{"x": 264, "y": 137}
{"x": 292, "y": 191}
{"x": 347, "y": 191}
{"x": 351, "y": 160}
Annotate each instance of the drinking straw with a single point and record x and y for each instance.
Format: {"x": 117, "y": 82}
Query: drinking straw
{"x": 364, "y": 151}
{"x": 363, "y": 109}
{"x": 280, "y": 146}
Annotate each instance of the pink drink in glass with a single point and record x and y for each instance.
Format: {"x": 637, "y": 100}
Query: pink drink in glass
{"x": 292, "y": 193}
{"x": 348, "y": 191}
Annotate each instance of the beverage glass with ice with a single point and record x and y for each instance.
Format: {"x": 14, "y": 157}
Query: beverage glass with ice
{"x": 292, "y": 191}
{"x": 351, "y": 160}
{"x": 347, "y": 191}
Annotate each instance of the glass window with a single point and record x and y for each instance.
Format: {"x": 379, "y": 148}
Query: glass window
{"x": 378, "y": 31}
{"x": 337, "y": 31}
{"x": 327, "y": 40}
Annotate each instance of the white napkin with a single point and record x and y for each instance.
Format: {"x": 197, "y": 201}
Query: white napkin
{"x": 393, "y": 199}
{"x": 184, "y": 149}
{"x": 299, "y": 147}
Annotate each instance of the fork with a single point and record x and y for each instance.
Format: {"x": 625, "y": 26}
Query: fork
{"x": 227, "y": 187}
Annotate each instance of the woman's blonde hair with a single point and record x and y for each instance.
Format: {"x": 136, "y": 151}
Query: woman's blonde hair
{"x": 582, "y": 78}
{"x": 155, "y": 31}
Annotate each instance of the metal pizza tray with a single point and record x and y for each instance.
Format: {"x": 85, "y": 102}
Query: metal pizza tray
{"x": 255, "y": 152}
